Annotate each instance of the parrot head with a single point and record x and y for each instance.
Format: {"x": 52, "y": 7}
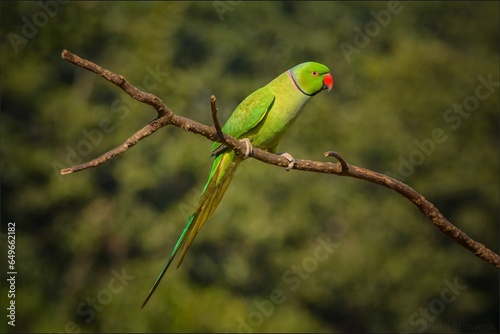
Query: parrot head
{"x": 311, "y": 78}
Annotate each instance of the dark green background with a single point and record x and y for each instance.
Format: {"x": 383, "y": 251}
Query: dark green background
{"x": 389, "y": 263}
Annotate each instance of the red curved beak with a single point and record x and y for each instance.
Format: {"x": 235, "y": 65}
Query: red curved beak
{"x": 328, "y": 82}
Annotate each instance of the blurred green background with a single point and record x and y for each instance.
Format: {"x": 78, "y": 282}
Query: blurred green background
{"x": 89, "y": 245}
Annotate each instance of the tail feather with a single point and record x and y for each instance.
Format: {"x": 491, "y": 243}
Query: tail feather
{"x": 220, "y": 177}
{"x": 210, "y": 198}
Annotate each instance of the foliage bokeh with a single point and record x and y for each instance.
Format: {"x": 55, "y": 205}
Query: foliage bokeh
{"x": 74, "y": 233}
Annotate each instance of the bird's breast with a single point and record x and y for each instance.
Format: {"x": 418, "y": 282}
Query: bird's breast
{"x": 287, "y": 106}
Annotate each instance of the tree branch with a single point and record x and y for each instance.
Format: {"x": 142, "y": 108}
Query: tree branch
{"x": 342, "y": 168}
{"x": 213, "y": 104}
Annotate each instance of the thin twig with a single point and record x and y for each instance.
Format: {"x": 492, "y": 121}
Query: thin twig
{"x": 343, "y": 163}
{"x": 146, "y": 131}
{"x": 213, "y": 104}
{"x": 167, "y": 117}
{"x": 120, "y": 81}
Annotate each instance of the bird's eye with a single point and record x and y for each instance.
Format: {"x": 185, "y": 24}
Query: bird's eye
{"x": 314, "y": 73}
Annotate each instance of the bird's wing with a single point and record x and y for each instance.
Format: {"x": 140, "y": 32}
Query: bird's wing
{"x": 247, "y": 115}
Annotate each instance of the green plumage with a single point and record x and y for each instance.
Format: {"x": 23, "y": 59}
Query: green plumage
{"x": 263, "y": 117}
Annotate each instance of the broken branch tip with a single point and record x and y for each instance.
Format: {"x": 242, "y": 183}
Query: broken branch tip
{"x": 66, "y": 171}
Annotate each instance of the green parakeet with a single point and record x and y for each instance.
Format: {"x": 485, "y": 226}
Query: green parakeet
{"x": 261, "y": 119}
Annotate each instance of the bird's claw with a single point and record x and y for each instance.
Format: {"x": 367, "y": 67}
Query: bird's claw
{"x": 249, "y": 147}
{"x": 289, "y": 158}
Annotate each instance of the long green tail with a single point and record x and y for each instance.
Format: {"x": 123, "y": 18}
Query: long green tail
{"x": 220, "y": 177}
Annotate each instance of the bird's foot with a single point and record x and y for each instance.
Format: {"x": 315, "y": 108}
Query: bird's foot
{"x": 249, "y": 149}
{"x": 289, "y": 158}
